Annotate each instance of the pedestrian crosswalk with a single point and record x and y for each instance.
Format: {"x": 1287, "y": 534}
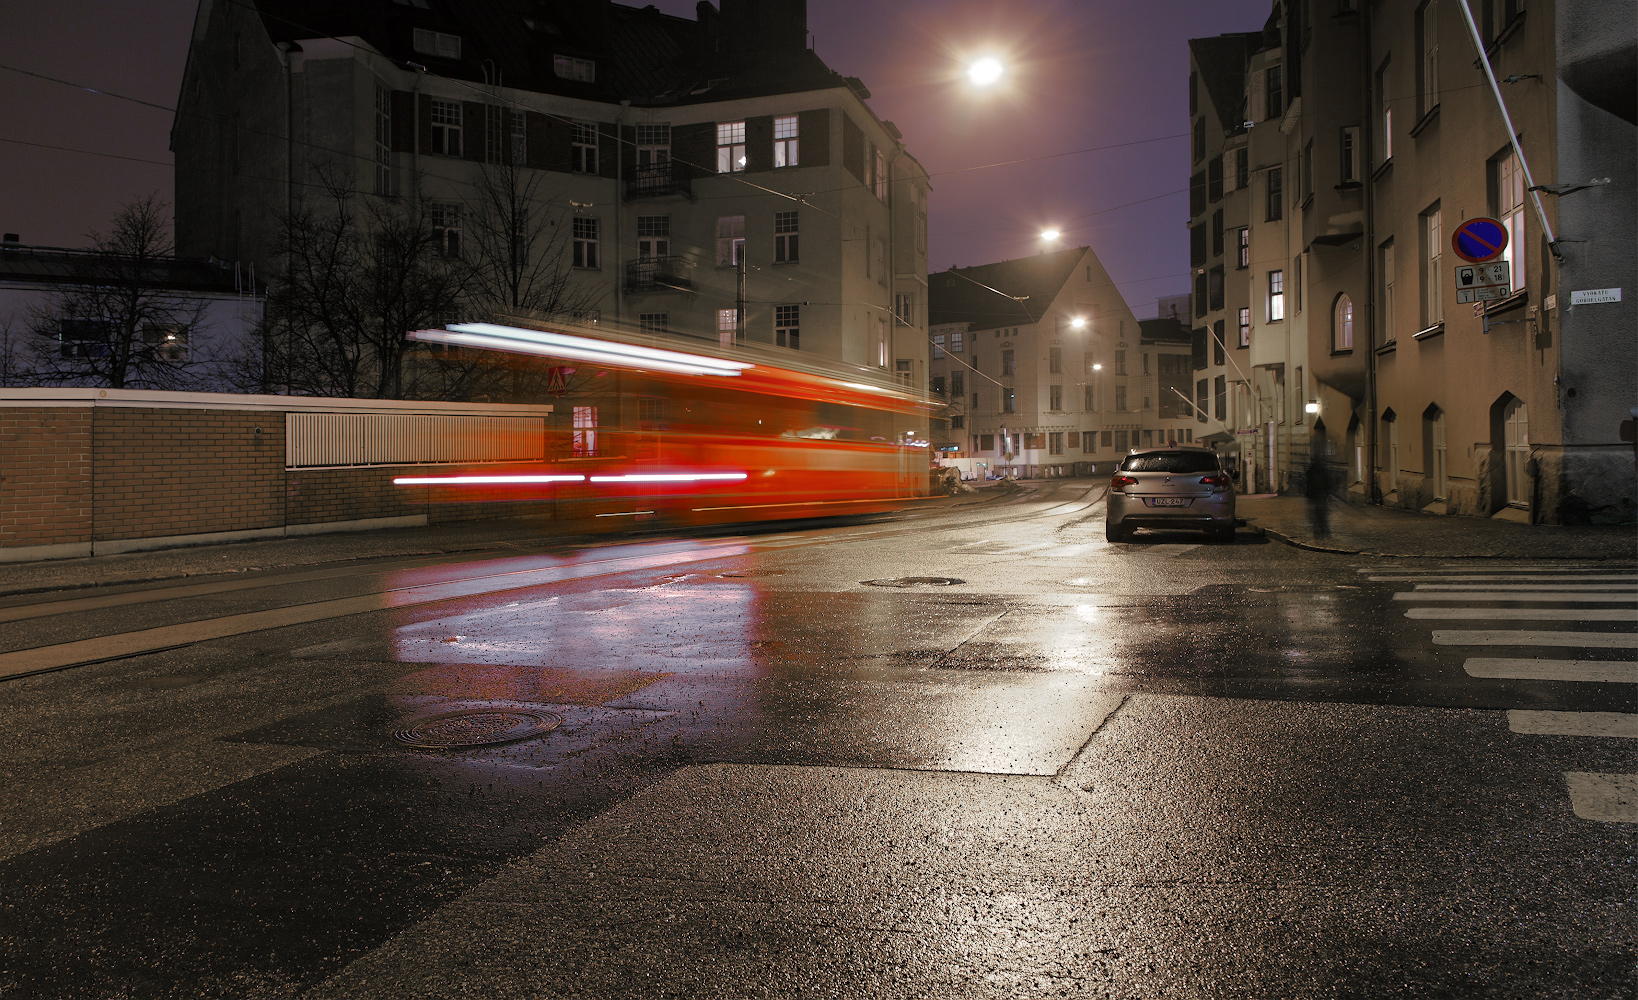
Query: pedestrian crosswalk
{"x": 1587, "y": 607}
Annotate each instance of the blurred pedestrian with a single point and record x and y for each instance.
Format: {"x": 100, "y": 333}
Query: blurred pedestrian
{"x": 1319, "y": 495}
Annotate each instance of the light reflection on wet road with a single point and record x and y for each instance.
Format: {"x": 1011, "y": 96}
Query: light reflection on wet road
{"x": 1152, "y": 768}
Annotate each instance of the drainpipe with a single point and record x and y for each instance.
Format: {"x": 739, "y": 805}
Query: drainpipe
{"x": 1367, "y": 154}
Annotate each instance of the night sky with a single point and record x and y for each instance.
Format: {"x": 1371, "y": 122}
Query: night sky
{"x": 1082, "y": 74}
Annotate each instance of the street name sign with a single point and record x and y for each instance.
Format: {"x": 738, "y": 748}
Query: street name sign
{"x": 1594, "y": 296}
{"x": 1479, "y": 239}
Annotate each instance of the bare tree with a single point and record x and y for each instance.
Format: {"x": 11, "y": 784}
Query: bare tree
{"x": 116, "y": 321}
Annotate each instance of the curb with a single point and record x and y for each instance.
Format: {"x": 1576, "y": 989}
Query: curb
{"x": 1294, "y": 543}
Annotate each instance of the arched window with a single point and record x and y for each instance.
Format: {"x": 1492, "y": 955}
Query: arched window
{"x": 1342, "y": 324}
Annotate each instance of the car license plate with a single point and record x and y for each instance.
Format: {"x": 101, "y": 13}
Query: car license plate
{"x": 1167, "y": 501}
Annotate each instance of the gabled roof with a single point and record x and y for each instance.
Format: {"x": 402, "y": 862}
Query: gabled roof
{"x": 958, "y": 295}
{"x": 641, "y": 54}
{"x": 1222, "y": 62}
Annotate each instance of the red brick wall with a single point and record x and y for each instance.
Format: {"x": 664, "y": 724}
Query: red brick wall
{"x": 183, "y": 472}
{"x": 45, "y": 475}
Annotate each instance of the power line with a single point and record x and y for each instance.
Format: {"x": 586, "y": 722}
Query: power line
{"x": 88, "y": 152}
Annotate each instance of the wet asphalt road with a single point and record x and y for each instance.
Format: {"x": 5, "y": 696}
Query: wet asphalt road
{"x": 1164, "y": 768}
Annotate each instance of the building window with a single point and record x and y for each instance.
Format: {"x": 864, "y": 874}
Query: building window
{"x": 788, "y": 327}
{"x": 1055, "y": 442}
{"x": 958, "y": 342}
{"x": 1007, "y": 401}
{"x": 1427, "y": 43}
{"x": 1242, "y": 167}
{"x": 1194, "y": 93}
{"x": 785, "y": 238}
{"x": 1220, "y": 397}
{"x": 574, "y": 68}
{"x": 958, "y": 383}
{"x": 1197, "y": 245}
{"x": 727, "y": 326}
{"x": 586, "y": 243}
{"x": 1219, "y": 352}
{"x": 904, "y": 307}
{"x": 879, "y": 252}
{"x": 1120, "y": 362}
{"x": 1120, "y": 399}
{"x": 1274, "y": 86}
{"x": 730, "y": 240}
{"x": 1214, "y": 180}
{"x": 1245, "y": 326}
{"x": 1342, "y": 324}
{"x": 1433, "y": 248}
{"x": 383, "y": 139}
{"x": 1296, "y": 282}
{"x": 938, "y": 346}
{"x": 1385, "y": 266}
{"x": 1217, "y": 233}
{"x": 881, "y": 343}
{"x": 585, "y": 431}
{"x": 653, "y": 236}
{"x": 436, "y": 43}
{"x": 1055, "y": 361}
{"x": 1055, "y": 398}
{"x": 1276, "y": 195}
{"x": 1202, "y": 399}
{"x": 1508, "y": 184}
{"x": 166, "y": 341}
{"x": 730, "y": 147}
{"x": 902, "y": 370}
{"x": 519, "y": 138}
{"x": 446, "y": 128}
{"x": 583, "y": 154}
{"x": 1350, "y": 154}
{"x": 881, "y": 174}
{"x": 1007, "y": 364}
{"x": 1199, "y": 139}
{"x": 958, "y": 422}
{"x": 785, "y": 142}
{"x": 1242, "y": 258}
{"x": 1305, "y": 174}
{"x": 446, "y": 229}
{"x": 1276, "y": 296}
{"x": 1200, "y": 294}
{"x": 654, "y": 322}
{"x": 1384, "y": 111}
{"x": 1214, "y": 287}
{"x": 1088, "y": 400}
{"x": 653, "y": 143}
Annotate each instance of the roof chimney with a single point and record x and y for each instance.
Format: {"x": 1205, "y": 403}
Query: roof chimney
{"x": 12, "y": 241}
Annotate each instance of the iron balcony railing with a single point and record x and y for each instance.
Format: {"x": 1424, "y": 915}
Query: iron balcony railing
{"x": 648, "y": 274}
{"x": 654, "y": 180}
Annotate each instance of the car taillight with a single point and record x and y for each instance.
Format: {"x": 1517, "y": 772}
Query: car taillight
{"x": 1216, "y": 482}
{"x": 1120, "y": 481}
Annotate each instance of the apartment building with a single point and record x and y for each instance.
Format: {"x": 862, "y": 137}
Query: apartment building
{"x": 707, "y": 178}
{"x": 1039, "y": 364}
{"x": 1372, "y": 131}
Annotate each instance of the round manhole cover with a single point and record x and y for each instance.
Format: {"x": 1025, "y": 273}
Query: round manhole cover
{"x": 915, "y": 581}
{"x": 737, "y": 574}
{"x": 481, "y": 728}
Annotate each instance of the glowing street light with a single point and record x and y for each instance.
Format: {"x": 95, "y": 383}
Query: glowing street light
{"x": 1312, "y": 406}
{"x": 984, "y": 71}
{"x": 1049, "y": 234}
{"x": 1097, "y": 368}
{"x": 1079, "y": 322}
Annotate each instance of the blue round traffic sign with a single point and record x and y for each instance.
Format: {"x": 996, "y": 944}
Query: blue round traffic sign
{"x": 1479, "y": 239}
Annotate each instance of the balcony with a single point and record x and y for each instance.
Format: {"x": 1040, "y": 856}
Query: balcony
{"x": 656, "y": 180}
{"x": 658, "y": 274}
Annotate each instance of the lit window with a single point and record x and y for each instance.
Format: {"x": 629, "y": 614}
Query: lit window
{"x": 1509, "y": 188}
{"x": 727, "y": 327}
{"x": 788, "y": 327}
{"x": 446, "y": 128}
{"x": 1245, "y": 326}
{"x": 1276, "y": 296}
{"x": 572, "y": 68}
{"x": 1342, "y": 324}
{"x": 730, "y": 240}
{"x": 1244, "y": 241}
{"x": 585, "y": 431}
{"x": 166, "y": 341}
{"x": 785, "y": 141}
{"x": 1433, "y": 247}
{"x": 785, "y": 238}
{"x": 904, "y": 307}
{"x": 586, "y": 243}
{"x": 731, "y": 148}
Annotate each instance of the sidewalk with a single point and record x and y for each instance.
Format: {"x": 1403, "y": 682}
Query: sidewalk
{"x": 1389, "y": 531}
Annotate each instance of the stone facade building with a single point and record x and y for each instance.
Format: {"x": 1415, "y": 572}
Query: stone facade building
{"x": 1371, "y": 132}
{"x": 715, "y": 178}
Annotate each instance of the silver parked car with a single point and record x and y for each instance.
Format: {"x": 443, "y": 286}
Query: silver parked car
{"x": 1176, "y": 488}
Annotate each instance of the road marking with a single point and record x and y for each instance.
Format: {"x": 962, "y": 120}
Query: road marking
{"x": 1535, "y": 637}
{"x": 1534, "y": 596}
{"x": 1604, "y": 724}
{"x": 1497, "y": 587}
{"x": 1530, "y": 614}
{"x": 1591, "y": 671}
{"x": 121, "y": 645}
{"x": 1506, "y": 579}
{"x": 1606, "y": 798}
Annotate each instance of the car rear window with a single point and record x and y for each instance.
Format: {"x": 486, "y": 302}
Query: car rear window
{"x": 1178, "y": 461}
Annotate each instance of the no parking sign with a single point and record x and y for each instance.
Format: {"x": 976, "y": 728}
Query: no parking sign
{"x": 1479, "y": 239}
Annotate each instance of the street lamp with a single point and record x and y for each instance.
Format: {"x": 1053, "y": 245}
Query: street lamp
{"x": 1097, "y": 368}
{"x": 1312, "y": 406}
{"x": 1078, "y": 323}
{"x": 985, "y": 71}
{"x": 1050, "y": 235}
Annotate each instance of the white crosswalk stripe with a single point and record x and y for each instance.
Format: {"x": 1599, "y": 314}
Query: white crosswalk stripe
{"x": 1532, "y": 593}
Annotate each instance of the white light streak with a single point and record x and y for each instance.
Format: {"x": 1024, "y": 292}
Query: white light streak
{"x": 561, "y": 345}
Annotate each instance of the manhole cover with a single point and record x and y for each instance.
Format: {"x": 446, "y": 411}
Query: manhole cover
{"x": 481, "y": 728}
{"x": 915, "y": 581}
{"x": 737, "y": 574}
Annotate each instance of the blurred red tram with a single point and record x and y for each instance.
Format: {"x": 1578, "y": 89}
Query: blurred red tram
{"x": 700, "y": 436}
